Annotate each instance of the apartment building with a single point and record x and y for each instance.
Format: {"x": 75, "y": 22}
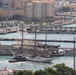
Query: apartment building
{"x": 15, "y": 4}
{"x": 12, "y": 7}
{"x": 9, "y": 13}
{"x": 34, "y": 9}
{"x": 39, "y": 9}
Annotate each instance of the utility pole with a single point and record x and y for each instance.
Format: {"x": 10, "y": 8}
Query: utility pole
{"x": 74, "y": 55}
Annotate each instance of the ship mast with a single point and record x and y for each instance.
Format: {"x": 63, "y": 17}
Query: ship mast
{"x": 74, "y": 56}
{"x": 46, "y": 41}
{"x": 35, "y": 39}
{"x": 22, "y": 38}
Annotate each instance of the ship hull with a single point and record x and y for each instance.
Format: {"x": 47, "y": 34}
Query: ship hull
{"x": 39, "y": 59}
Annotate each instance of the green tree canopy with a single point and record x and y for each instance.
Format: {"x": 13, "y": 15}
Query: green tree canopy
{"x": 64, "y": 70}
{"x": 2, "y": 18}
{"x": 19, "y": 73}
{"x": 58, "y": 69}
{"x": 64, "y": 9}
{"x": 16, "y": 17}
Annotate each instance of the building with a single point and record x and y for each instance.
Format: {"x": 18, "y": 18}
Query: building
{"x": 11, "y": 12}
{"x": 61, "y": 3}
{"x": 39, "y": 9}
{"x": 15, "y": 4}
{"x": 18, "y": 4}
{"x": 34, "y": 9}
{"x": 28, "y": 8}
{"x": 72, "y": 1}
{"x": 12, "y": 7}
{"x": 72, "y": 7}
{"x": 5, "y": 71}
{"x": 3, "y": 12}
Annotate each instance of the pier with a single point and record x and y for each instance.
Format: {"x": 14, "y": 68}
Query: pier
{"x": 54, "y": 29}
{"x": 39, "y": 40}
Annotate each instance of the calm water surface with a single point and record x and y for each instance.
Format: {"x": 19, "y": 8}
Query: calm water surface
{"x": 33, "y": 65}
{"x": 41, "y": 36}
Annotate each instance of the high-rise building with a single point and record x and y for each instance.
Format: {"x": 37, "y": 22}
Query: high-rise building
{"x": 37, "y": 10}
{"x": 28, "y": 8}
{"x": 40, "y": 9}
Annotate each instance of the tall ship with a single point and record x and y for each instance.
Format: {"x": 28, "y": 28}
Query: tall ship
{"x": 37, "y": 55}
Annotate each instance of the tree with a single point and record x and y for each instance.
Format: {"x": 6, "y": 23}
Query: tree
{"x": 20, "y": 73}
{"x": 51, "y": 71}
{"x": 40, "y": 72}
{"x": 64, "y": 9}
{"x": 16, "y": 17}
{"x": 58, "y": 69}
{"x": 28, "y": 72}
{"x": 2, "y": 18}
{"x": 64, "y": 70}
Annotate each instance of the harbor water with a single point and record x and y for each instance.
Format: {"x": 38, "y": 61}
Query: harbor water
{"x": 41, "y": 36}
{"x": 4, "y": 61}
{"x": 68, "y": 60}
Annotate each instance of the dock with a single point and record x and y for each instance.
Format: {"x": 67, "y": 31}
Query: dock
{"x": 52, "y": 30}
{"x": 38, "y": 40}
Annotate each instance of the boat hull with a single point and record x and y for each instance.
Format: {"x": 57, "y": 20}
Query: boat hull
{"x": 39, "y": 59}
